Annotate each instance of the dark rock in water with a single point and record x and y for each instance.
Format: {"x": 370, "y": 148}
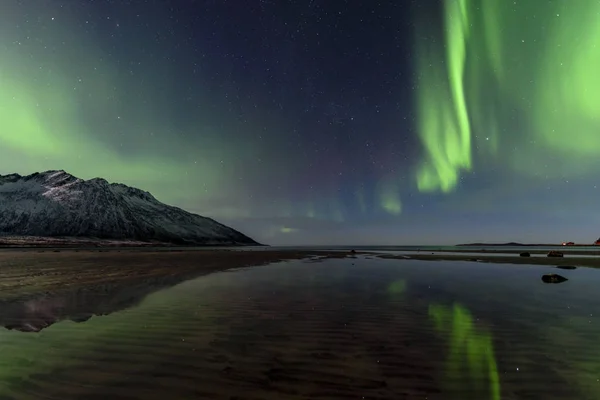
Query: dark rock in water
{"x": 554, "y": 253}
{"x": 525, "y": 254}
{"x": 81, "y": 318}
{"x": 553, "y": 278}
{"x": 566, "y": 267}
{"x": 352, "y": 251}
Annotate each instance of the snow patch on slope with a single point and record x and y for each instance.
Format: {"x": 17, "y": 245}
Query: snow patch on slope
{"x": 55, "y": 203}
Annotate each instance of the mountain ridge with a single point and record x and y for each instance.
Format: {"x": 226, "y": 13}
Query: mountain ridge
{"x": 55, "y": 203}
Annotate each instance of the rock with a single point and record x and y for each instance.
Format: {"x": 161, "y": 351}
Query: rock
{"x": 566, "y": 267}
{"x": 525, "y": 254}
{"x": 81, "y": 318}
{"x": 352, "y": 251}
{"x": 553, "y": 278}
{"x": 554, "y": 253}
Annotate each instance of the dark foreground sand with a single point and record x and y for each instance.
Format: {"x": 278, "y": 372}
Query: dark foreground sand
{"x": 26, "y": 272}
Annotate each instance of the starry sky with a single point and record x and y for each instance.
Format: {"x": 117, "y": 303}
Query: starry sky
{"x": 319, "y": 121}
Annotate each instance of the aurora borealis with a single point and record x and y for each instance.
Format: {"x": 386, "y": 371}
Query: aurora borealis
{"x": 507, "y": 62}
{"x": 314, "y": 122}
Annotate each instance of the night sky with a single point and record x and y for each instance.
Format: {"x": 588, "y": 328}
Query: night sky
{"x": 319, "y": 121}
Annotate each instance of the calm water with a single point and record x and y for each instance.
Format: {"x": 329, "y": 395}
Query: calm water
{"x": 339, "y": 329}
{"x": 395, "y": 249}
{"x": 508, "y": 249}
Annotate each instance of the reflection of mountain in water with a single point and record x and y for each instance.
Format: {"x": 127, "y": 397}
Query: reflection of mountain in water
{"x": 40, "y": 311}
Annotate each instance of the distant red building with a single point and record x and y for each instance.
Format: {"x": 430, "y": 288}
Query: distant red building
{"x": 571, "y": 243}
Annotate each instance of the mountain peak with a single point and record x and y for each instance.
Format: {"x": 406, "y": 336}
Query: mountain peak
{"x": 57, "y": 204}
{"x": 55, "y": 172}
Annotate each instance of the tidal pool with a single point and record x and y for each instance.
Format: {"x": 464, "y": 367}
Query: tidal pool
{"x": 354, "y": 328}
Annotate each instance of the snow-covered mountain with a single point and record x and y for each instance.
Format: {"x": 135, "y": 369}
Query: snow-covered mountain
{"x": 57, "y": 204}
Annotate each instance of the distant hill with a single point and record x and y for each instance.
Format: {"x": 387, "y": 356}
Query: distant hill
{"x": 56, "y": 204}
{"x": 515, "y": 244}
{"x": 511, "y": 244}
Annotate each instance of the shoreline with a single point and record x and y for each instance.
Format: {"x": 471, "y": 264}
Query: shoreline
{"x": 29, "y": 273}
{"x": 526, "y": 245}
{"x": 568, "y": 250}
{"x": 591, "y": 262}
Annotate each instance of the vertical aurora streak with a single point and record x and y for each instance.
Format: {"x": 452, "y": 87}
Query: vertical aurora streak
{"x": 443, "y": 117}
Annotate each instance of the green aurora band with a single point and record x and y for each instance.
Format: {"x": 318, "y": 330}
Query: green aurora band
{"x": 471, "y": 357}
{"x": 513, "y": 83}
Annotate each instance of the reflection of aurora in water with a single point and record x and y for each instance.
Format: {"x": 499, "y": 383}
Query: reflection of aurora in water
{"x": 397, "y": 287}
{"x": 471, "y": 355}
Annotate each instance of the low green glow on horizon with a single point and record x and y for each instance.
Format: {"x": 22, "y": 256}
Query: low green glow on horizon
{"x": 471, "y": 353}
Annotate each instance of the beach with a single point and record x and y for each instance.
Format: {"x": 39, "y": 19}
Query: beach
{"x": 32, "y": 271}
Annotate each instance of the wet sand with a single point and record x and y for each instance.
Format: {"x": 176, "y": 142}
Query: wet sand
{"x": 27, "y": 272}
{"x": 592, "y": 262}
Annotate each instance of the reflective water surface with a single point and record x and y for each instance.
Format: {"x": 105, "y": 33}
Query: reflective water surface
{"x": 336, "y": 329}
